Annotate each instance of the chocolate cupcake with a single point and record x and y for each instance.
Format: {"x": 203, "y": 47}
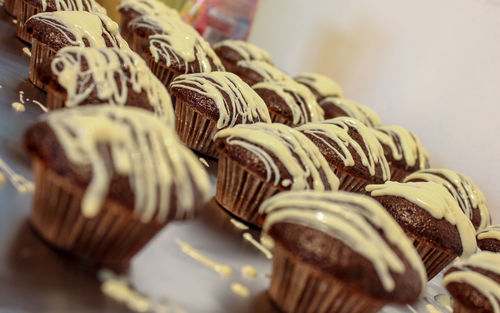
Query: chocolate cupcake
{"x": 474, "y": 284}
{"x": 231, "y": 52}
{"x": 108, "y": 178}
{"x": 289, "y": 102}
{"x": 253, "y": 72}
{"x": 488, "y": 239}
{"x": 24, "y": 9}
{"x": 352, "y": 151}
{"x": 431, "y": 218}
{"x": 55, "y": 30}
{"x": 84, "y": 76}
{"x": 320, "y": 85}
{"x": 259, "y": 160}
{"x": 403, "y": 150}
{"x": 337, "y": 107}
{"x": 208, "y": 102}
{"x": 462, "y": 188}
{"x": 130, "y": 9}
{"x": 338, "y": 252}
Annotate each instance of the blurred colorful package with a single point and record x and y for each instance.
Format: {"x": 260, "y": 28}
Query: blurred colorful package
{"x": 217, "y": 20}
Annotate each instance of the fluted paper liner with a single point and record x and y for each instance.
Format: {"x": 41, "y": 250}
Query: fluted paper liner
{"x": 10, "y": 7}
{"x": 434, "y": 259}
{"x": 24, "y": 11}
{"x": 40, "y": 53}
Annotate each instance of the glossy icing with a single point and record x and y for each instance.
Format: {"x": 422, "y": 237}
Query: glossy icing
{"x": 267, "y": 71}
{"x": 323, "y": 85}
{"x": 147, "y": 7}
{"x": 353, "y": 109}
{"x": 490, "y": 232}
{"x": 246, "y": 50}
{"x": 74, "y": 5}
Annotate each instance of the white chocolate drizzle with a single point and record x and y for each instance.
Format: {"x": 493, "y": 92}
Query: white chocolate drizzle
{"x": 19, "y": 182}
{"x": 239, "y": 225}
{"x": 248, "y": 237}
{"x": 204, "y": 162}
{"x": 111, "y": 74}
{"x": 437, "y": 201}
{"x": 75, "y": 5}
{"x": 431, "y": 309}
{"x": 27, "y": 51}
{"x": 162, "y": 24}
{"x": 243, "y": 106}
{"x": 267, "y": 71}
{"x": 488, "y": 287}
{"x": 353, "y": 109}
{"x": 18, "y": 107}
{"x": 337, "y": 130}
{"x": 354, "y": 219}
{"x": 249, "y": 271}
{"x": 490, "y": 232}
{"x": 461, "y": 187}
{"x": 222, "y": 269}
{"x": 445, "y": 301}
{"x": 403, "y": 144}
{"x": 246, "y": 50}
{"x": 296, "y": 153}
{"x": 299, "y": 99}
{"x": 40, "y": 105}
{"x": 323, "y": 85}
{"x": 148, "y": 7}
{"x": 142, "y": 148}
{"x": 240, "y": 290}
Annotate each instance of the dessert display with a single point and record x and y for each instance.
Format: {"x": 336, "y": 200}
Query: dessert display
{"x": 336, "y": 107}
{"x": 108, "y": 178}
{"x": 403, "y": 150}
{"x": 53, "y": 31}
{"x": 462, "y": 188}
{"x": 259, "y": 160}
{"x": 320, "y": 85}
{"x": 488, "y": 239}
{"x": 254, "y": 71}
{"x": 431, "y": 218}
{"x": 208, "y": 102}
{"x": 474, "y": 284}
{"x": 351, "y": 150}
{"x": 338, "y": 252}
{"x": 231, "y": 52}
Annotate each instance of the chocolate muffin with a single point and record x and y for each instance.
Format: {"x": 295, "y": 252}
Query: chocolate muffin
{"x": 108, "y": 178}
{"x": 253, "y": 72}
{"x": 24, "y": 9}
{"x": 289, "y": 102}
{"x": 231, "y": 52}
{"x": 403, "y": 150}
{"x": 208, "y": 102}
{"x": 83, "y": 76}
{"x": 130, "y": 9}
{"x": 431, "y": 218}
{"x": 320, "y": 85}
{"x": 470, "y": 199}
{"x": 53, "y": 31}
{"x": 474, "y": 284}
{"x": 488, "y": 239}
{"x": 338, "y": 252}
{"x": 259, "y": 160}
{"x": 352, "y": 151}
{"x": 337, "y": 107}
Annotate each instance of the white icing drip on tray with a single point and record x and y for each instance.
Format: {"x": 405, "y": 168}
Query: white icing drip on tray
{"x": 296, "y": 153}
{"x": 437, "y": 201}
{"x": 75, "y": 5}
{"x": 222, "y": 269}
{"x": 353, "y": 109}
{"x": 246, "y": 50}
{"x": 243, "y": 103}
{"x": 323, "y": 85}
{"x": 142, "y": 148}
{"x": 353, "y": 219}
{"x": 267, "y": 71}
{"x": 17, "y": 180}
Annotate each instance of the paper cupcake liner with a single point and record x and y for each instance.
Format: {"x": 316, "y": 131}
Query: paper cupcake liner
{"x": 40, "y": 53}
{"x": 194, "y": 129}
{"x": 55, "y": 99}
{"x": 240, "y": 191}
{"x": 164, "y": 74}
{"x": 435, "y": 260}
{"x": 10, "y": 7}
{"x": 297, "y": 288}
{"x": 25, "y": 10}
{"x": 275, "y": 118}
{"x": 398, "y": 174}
{"x": 350, "y": 183}
{"x": 113, "y": 237}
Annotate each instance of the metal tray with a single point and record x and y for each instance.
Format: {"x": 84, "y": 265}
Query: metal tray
{"x": 36, "y": 278}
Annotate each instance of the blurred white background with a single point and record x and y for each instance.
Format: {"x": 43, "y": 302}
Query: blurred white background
{"x": 432, "y": 66}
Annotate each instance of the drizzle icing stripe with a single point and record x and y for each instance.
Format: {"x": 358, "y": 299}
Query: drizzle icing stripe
{"x": 355, "y": 110}
{"x": 75, "y": 5}
{"x": 246, "y": 50}
{"x": 267, "y": 71}
{"x": 322, "y": 84}
{"x": 490, "y": 232}
{"x": 148, "y": 7}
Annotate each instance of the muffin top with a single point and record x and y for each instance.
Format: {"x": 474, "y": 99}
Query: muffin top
{"x": 488, "y": 239}
{"x": 135, "y": 8}
{"x": 124, "y": 155}
{"x": 346, "y": 142}
{"x": 291, "y": 100}
{"x": 321, "y": 85}
{"x": 108, "y": 76}
{"x": 402, "y": 148}
{"x": 462, "y": 188}
{"x": 253, "y": 72}
{"x": 68, "y": 5}
{"x": 160, "y": 23}
{"x": 475, "y": 282}
{"x": 349, "y": 237}
{"x": 223, "y": 96}
{"x": 237, "y": 50}
{"x": 278, "y": 154}
{"x": 426, "y": 211}
{"x": 75, "y": 28}
{"x": 336, "y": 107}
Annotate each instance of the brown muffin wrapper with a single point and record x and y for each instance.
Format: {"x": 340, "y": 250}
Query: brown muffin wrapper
{"x": 10, "y": 7}
{"x": 398, "y": 174}
{"x": 275, "y": 118}
{"x": 24, "y": 11}
{"x": 350, "y": 183}
{"x": 55, "y": 99}
{"x": 297, "y": 288}
{"x": 113, "y": 237}
{"x": 40, "y": 53}
{"x": 194, "y": 129}
{"x": 435, "y": 260}
{"x": 240, "y": 191}
{"x": 164, "y": 74}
